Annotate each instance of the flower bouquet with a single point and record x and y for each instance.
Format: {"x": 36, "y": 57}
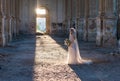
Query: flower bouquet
{"x": 67, "y": 42}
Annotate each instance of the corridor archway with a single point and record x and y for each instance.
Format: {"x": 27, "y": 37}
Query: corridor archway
{"x": 42, "y": 20}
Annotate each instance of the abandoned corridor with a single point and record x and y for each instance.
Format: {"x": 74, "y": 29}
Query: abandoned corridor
{"x": 43, "y": 57}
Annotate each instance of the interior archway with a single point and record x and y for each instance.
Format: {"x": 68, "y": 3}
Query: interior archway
{"x": 42, "y": 20}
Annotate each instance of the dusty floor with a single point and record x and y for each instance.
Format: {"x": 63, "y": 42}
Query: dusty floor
{"x": 42, "y": 58}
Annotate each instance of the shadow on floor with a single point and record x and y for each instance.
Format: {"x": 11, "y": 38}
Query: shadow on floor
{"x": 19, "y": 64}
{"x": 98, "y": 71}
{"x": 60, "y": 40}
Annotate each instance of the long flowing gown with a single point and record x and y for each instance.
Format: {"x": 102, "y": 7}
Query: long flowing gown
{"x": 73, "y": 50}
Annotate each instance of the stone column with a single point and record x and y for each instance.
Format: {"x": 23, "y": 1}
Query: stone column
{"x": 32, "y": 19}
{"x": 7, "y": 20}
{"x": 100, "y": 22}
{"x": 66, "y": 10}
{"x": 71, "y": 4}
{"x": 74, "y": 13}
{"x": 20, "y": 16}
{"x": 115, "y": 14}
{"x": 109, "y": 25}
{"x": 17, "y": 16}
{"x": 66, "y": 17}
{"x": 82, "y": 8}
{"x": 3, "y": 22}
{"x": 115, "y": 7}
{"x": 77, "y": 16}
{"x": 81, "y": 19}
{"x": 86, "y": 20}
{"x": 118, "y": 6}
{"x": 77, "y": 13}
{"x": 118, "y": 12}
{"x": 92, "y": 20}
{"x": 14, "y": 19}
{"x": 56, "y": 17}
{"x": 10, "y": 21}
{"x": 69, "y": 14}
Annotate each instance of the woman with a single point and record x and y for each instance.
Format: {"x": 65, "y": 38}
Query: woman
{"x": 73, "y": 50}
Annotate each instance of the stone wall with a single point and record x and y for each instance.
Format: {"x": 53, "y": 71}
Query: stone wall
{"x": 94, "y": 20}
{"x": 55, "y": 9}
{"x": 28, "y": 16}
{"x": 9, "y": 20}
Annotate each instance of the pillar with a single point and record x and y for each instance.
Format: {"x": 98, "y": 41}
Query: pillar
{"x": 77, "y": 13}
{"x": 99, "y": 37}
{"x": 10, "y": 21}
{"x": 109, "y": 23}
{"x": 17, "y": 4}
{"x": 86, "y": 20}
{"x": 7, "y": 20}
{"x": 3, "y": 22}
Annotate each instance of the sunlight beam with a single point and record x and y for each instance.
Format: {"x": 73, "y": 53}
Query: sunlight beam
{"x": 41, "y": 11}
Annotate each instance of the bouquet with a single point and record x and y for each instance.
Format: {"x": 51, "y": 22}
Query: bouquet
{"x": 67, "y": 42}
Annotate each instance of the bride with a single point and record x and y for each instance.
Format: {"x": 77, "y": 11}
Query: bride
{"x": 73, "y": 50}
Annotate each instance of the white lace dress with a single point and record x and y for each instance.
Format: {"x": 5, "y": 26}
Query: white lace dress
{"x": 73, "y": 50}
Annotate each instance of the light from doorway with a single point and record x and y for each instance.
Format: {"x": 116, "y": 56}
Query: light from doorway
{"x": 40, "y": 11}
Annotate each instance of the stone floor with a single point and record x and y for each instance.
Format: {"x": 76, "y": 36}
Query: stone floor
{"x": 43, "y": 58}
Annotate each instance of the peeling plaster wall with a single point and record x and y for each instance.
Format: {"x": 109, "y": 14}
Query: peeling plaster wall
{"x": 28, "y": 15}
{"x": 56, "y": 9}
{"x": 56, "y": 12}
{"x": 96, "y": 20}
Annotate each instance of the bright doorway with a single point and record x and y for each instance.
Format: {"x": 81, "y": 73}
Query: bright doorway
{"x": 41, "y": 25}
{"x": 42, "y": 20}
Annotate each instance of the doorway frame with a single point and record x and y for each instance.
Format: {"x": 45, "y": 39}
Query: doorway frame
{"x": 38, "y": 19}
{"x": 47, "y": 16}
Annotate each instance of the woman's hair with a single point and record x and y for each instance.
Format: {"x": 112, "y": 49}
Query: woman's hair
{"x": 74, "y": 27}
{"x": 71, "y": 29}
